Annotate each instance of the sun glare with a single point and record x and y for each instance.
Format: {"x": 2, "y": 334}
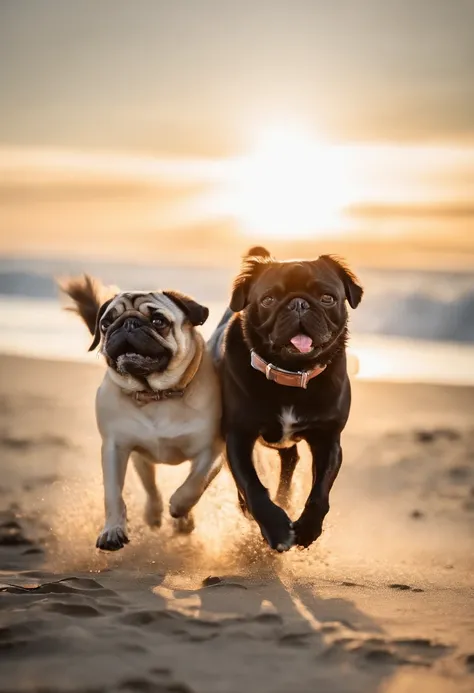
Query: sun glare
{"x": 289, "y": 186}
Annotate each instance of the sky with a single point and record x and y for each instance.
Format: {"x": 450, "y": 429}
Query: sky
{"x": 185, "y": 76}
{"x": 196, "y": 80}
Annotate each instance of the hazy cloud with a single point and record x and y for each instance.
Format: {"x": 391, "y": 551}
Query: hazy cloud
{"x": 195, "y": 76}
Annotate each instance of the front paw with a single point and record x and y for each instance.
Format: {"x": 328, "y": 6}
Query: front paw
{"x": 112, "y": 538}
{"x": 185, "y": 524}
{"x": 307, "y": 530}
{"x": 277, "y": 528}
{"x": 181, "y": 502}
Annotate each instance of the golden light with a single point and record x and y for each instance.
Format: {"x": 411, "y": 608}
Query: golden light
{"x": 290, "y": 185}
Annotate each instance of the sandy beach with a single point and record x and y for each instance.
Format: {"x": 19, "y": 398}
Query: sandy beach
{"x": 383, "y": 602}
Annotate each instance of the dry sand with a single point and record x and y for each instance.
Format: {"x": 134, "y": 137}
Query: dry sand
{"x": 383, "y": 602}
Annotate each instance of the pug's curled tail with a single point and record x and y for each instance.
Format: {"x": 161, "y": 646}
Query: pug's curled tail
{"x": 87, "y": 294}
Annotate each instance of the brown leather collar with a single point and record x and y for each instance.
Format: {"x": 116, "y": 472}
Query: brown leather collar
{"x": 145, "y": 396}
{"x": 149, "y": 395}
{"x": 282, "y": 377}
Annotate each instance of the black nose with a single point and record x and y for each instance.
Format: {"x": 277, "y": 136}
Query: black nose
{"x": 300, "y": 305}
{"x": 131, "y": 324}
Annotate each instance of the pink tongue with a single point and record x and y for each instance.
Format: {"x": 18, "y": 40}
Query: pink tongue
{"x": 303, "y": 343}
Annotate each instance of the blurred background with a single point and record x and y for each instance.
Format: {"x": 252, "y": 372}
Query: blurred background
{"x": 151, "y": 143}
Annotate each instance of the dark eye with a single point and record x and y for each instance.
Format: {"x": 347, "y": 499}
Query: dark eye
{"x": 159, "y": 321}
{"x": 104, "y": 326}
{"x": 267, "y": 301}
{"x": 327, "y": 300}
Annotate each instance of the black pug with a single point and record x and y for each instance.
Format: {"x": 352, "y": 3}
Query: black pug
{"x": 281, "y": 353}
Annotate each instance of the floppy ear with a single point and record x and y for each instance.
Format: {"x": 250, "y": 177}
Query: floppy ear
{"x": 253, "y": 263}
{"x": 352, "y": 287}
{"x": 97, "y": 335}
{"x": 195, "y": 312}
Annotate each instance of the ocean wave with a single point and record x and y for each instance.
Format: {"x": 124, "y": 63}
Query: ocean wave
{"x": 437, "y": 306}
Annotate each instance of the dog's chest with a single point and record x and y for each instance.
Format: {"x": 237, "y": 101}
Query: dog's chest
{"x": 168, "y": 433}
{"x": 284, "y": 431}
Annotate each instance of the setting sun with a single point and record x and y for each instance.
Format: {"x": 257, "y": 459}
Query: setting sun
{"x": 289, "y": 185}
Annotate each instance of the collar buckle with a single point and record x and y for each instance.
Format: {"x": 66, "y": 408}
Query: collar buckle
{"x": 304, "y": 379}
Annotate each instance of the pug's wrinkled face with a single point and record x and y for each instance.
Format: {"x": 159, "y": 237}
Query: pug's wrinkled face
{"x": 295, "y": 312}
{"x": 147, "y": 333}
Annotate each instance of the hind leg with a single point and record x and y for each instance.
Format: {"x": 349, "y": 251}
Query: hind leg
{"x": 154, "y": 503}
{"x": 289, "y": 459}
